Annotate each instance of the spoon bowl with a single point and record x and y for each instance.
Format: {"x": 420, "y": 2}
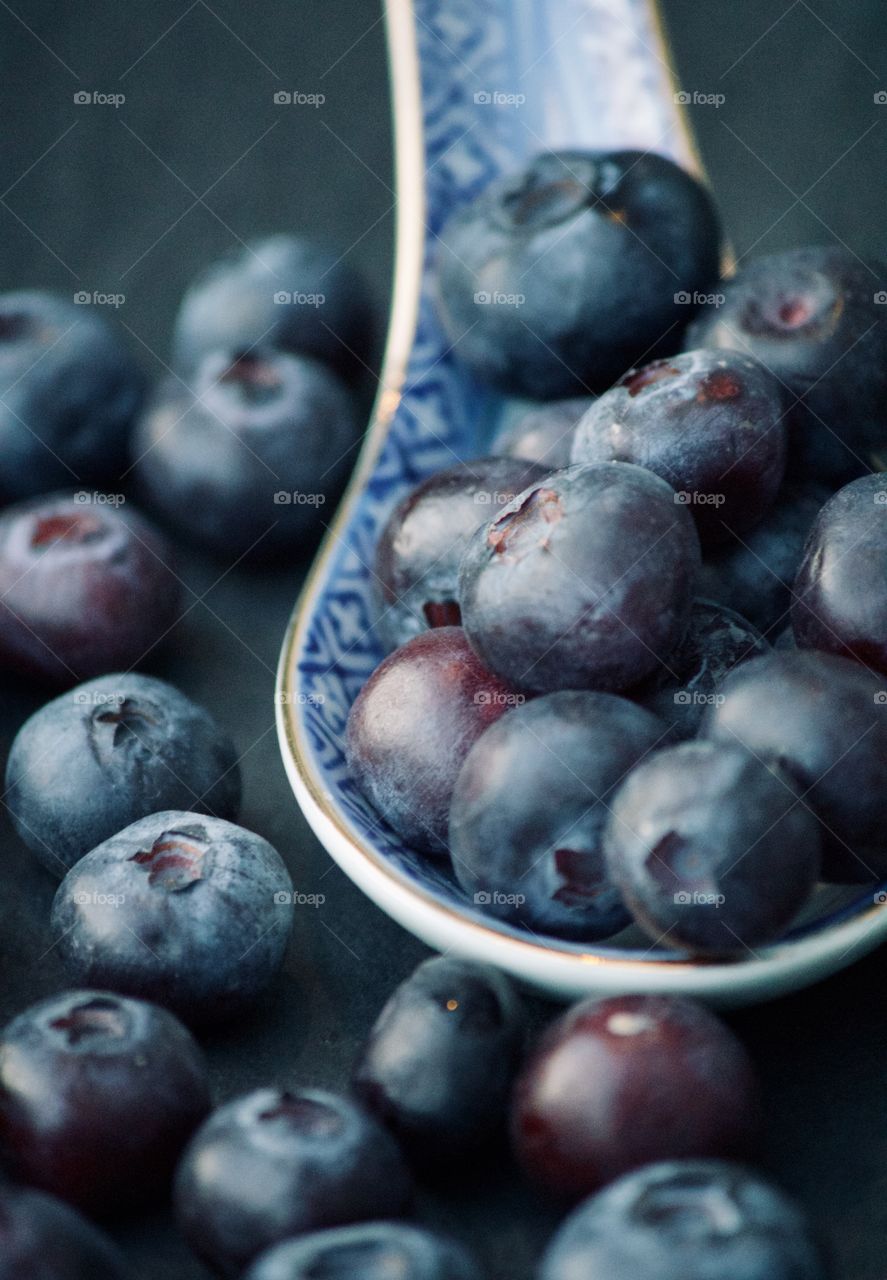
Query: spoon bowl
{"x": 478, "y": 89}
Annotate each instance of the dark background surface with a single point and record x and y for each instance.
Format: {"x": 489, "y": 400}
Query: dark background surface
{"x": 133, "y": 200}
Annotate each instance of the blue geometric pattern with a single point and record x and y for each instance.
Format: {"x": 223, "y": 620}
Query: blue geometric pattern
{"x": 590, "y": 75}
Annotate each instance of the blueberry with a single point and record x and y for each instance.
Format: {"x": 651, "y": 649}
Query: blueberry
{"x": 98, "y": 1096}
{"x": 825, "y": 720}
{"x": 840, "y": 594}
{"x": 753, "y": 572}
{"x": 411, "y": 726}
{"x": 84, "y": 589}
{"x": 811, "y": 317}
{"x": 708, "y": 422}
{"x": 584, "y": 581}
{"x": 687, "y": 680}
{"x": 687, "y": 1220}
{"x": 246, "y": 461}
{"x": 107, "y": 753}
{"x": 440, "y": 1061}
{"x": 284, "y": 291}
{"x": 420, "y": 549}
{"x": 557, "y": 279}
{"x": 371, "y": 1251}
{"x": 42, "y": 1238}
{"x": 543, "y": 433}
{"x": 620, "y": 1082}
{"x": 178, "y": 908}
{"x": 271, "y": 1165}
{"x": 529, "y": 807}
{"x": 69, "y": 390}
{"x": 712, "y": 849}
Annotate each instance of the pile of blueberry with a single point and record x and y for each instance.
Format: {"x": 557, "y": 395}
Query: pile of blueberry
{"x": 304, "y": 1184}
{"x": 586, "y": 723}
{"x": 639, "y": 667}
{"x": 167, "y": 913}
{"x": 238, "y": 451}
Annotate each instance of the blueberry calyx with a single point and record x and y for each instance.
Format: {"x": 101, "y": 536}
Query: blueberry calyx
{"x": 127, "y": 718}
{"x": 691, "y": 1206}
{"x": 175, "y": 859}
{"x": 251, "y": 380}
{"x": 76, "y": 529}
{"x": 97, "y": 1018}
{"x": 305, "y": 1115}
{"x": 505, "y": 531}
{"x": 638, "y": 380}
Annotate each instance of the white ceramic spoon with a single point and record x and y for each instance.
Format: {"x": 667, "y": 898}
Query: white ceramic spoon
{"x": 479, "y": 86}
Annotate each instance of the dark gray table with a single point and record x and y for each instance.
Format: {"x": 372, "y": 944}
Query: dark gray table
{"x": 132, "y": 200}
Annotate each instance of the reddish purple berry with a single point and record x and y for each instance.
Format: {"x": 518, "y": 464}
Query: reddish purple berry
{"x": 412, "y": 725}
{"x": 85, "y": 588}
{"x": 621, "y": 1082}
{"x": 98, "y": 1095}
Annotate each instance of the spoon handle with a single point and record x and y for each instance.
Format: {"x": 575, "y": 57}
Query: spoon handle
{"x": 480, "y": 86}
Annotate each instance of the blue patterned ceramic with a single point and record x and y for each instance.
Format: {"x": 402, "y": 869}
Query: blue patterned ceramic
{"x": 480, "y": 86}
